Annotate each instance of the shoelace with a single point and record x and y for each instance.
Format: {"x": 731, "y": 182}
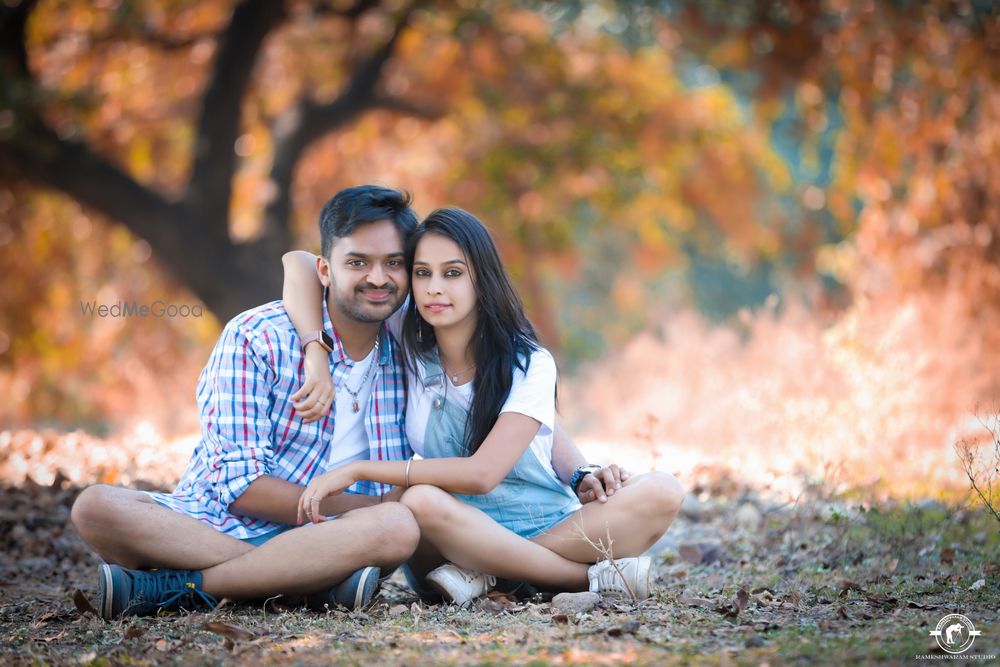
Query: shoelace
{"x": 167, "y": 589}
{"x": 608, "y": 579}
{"x": 470, "y": 577}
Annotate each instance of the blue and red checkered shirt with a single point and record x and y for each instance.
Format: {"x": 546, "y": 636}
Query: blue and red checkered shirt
{"x": 249, "y": 427}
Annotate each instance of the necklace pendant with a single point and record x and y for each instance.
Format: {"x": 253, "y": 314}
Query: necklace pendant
{"x": 454, "y": 378}
{"x": 356, "y": 407}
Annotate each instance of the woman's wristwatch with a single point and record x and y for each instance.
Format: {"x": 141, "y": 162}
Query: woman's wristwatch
{"x": 321, "y": 337}
{"x": 580, "y": 473}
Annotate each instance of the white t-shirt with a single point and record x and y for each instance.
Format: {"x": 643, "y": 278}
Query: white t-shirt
{"x": 531, "y": 394}
{"x": 350, "y": 439}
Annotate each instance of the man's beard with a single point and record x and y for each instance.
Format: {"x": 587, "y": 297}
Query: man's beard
{"x": 356, "y": 308}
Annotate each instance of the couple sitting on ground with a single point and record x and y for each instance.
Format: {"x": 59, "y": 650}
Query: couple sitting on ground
{"x": 312, "y": 409}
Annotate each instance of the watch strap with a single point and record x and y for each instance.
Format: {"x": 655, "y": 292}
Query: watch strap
{"x": 580, "y": 473}
{"x": 320, "y": 337}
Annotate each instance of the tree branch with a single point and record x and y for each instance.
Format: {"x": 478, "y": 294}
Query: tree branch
{"x": 352, "y": 12}
{"x": 307, "y": 121}
{"x": 408, "y": 107}
{"x": 13, "y": 53}
{"x": 369, "y": 71}
{"x": 210, "y": 187}
{"x": 37, "y": 154}
{"x": 150, "y": 36}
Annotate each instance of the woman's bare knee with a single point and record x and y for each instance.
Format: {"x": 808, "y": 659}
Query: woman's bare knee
{"x": 429, "y": 504}
{"x": 661, "y": 496}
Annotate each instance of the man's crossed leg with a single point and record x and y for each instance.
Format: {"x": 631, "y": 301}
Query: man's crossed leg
{"x": 134, "y": 534}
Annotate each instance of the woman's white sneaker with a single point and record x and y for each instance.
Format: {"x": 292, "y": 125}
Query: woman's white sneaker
{"x": 459, "y": 585}
{"x": 607, "y": 579}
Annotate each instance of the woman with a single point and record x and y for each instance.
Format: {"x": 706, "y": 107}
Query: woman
{"x": 481, "y": 413}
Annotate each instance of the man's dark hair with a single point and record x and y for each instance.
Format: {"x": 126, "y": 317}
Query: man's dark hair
{"x": 352, "y": 207}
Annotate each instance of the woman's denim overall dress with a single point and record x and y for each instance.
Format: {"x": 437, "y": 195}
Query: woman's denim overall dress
{"x": 528, "y": 501}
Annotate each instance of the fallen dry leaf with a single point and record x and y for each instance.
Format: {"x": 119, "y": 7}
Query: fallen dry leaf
{"x": 233, "y": 633}
{"x": 496, "y": 605}
{"x": 742, "y": 600}
{"x": 83, "y": 604}
{"x": 848, "y": 585}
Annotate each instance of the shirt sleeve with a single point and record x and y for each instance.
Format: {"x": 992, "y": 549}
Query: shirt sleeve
{"x": 233, "y": 396}
{"x": 534, "y": 393}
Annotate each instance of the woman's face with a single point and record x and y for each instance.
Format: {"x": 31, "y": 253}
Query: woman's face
{"x": 442, "y": 283}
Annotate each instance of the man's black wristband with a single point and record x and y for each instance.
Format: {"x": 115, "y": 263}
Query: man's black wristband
{"x": 579, "y": 474}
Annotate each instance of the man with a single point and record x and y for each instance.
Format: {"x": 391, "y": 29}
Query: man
{"x": 229, "y": 528}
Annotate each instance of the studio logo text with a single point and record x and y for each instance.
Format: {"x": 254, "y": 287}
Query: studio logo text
{"x": 125, "y": 309}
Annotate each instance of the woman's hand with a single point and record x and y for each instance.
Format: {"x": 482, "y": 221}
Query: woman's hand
{"x": 601, "y": 484}
{"x": 329, "y": 484}
{"x": 313, "y": 399}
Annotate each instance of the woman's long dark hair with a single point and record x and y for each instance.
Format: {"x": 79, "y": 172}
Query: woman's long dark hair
{"x": 504, "y": 338}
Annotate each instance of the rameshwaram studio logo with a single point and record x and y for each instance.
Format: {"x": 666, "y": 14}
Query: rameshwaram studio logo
{"x": 955, "y": 633}
{"x": 125, "y": 309}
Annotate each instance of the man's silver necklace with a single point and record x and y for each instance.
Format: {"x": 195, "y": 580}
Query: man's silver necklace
{"x": 354, "y": 392}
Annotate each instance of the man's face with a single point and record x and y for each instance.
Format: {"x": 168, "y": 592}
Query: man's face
{"x": 366, "y": 273}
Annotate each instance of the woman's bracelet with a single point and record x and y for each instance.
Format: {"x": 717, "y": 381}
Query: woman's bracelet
{"x": 406, "y": 477}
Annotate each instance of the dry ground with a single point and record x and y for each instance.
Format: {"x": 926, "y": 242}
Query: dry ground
{"x": 740, "y": 579}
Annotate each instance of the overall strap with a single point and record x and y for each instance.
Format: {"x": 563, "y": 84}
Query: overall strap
{"x": 433, "y": 372}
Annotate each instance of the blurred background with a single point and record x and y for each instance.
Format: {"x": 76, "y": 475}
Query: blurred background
{"x": 762, "y": 236}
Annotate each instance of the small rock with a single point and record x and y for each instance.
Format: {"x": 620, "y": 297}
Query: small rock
{"x": 979, "y": 583}
{"x": 754, "y": 641}
{"x": 398, "y": 610}
{"x": 575, "y": 603}
{"x": 692, "y": 508}
{"x": 700, "y": 553}
{"x": 748, "y": 516}
{"x": 628, "y": 628}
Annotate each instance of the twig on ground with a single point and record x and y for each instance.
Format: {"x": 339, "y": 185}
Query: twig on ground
{"x": 608, "y": 555}
{"x": 983, "y": 472}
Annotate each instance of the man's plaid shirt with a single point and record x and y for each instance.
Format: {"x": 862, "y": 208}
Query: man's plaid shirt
{"x": 249, "y": 427}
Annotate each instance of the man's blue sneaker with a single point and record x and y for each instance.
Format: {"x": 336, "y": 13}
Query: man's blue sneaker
{"x": 355, "y": 592}
{"x": 125, "y": 592}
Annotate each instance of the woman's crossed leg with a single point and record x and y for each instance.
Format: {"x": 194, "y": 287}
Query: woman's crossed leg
{"x": 628, "y": 524}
